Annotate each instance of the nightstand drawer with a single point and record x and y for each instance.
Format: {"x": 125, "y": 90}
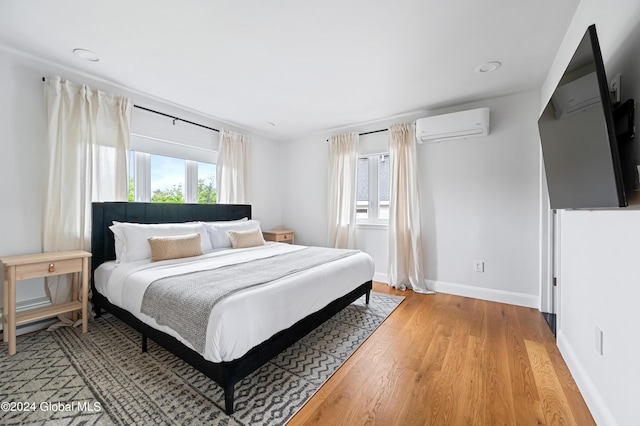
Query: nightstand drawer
{"x": 279, "y": 236}
{"x": 284, "y": 237}
{"x": 46, "y": 269}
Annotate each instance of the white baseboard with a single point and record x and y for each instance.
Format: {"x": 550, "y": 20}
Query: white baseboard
{"x": 500, "y": 296}
{"x": 381, "y": 277}
{"x": 592, "y": 397}
{"x": 26, "y": 305}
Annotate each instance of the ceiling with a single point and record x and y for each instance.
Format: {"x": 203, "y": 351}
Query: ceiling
{"x": 304, "y": 66}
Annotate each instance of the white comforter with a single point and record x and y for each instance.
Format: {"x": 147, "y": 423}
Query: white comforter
{"x": 246, "y": 319}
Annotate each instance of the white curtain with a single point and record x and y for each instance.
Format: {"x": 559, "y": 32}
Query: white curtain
{"x": 405, "y": 236}
{"x": 88, "y": 134}
{"x": 231, "y": 169}
{"x": 343, "y": 163}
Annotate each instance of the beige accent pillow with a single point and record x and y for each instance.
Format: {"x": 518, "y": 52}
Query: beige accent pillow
{"x": 175, "y": 247}
{"x": 245, "y": 239}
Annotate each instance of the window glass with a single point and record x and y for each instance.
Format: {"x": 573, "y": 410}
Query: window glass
{"x": 167, "y": 179}
{"x": 383, "y": 187}
{"x": 206, "y": 183}
{"x": 362, "y": 190}
{"x": 373, "y": 187}
{"x": 132, "y": 185}
{"x": 158, "y": 178}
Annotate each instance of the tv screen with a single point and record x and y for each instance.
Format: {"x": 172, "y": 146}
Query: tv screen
{"x": 579, "y": 145}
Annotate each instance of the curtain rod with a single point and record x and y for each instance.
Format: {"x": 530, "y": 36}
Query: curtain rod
{"x": 371, "y": 132}
{"x": 176, "y": 118}
{"x": 170, "y": 116}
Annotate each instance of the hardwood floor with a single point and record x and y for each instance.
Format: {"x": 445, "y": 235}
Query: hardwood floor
{"x": 450, "y": 360}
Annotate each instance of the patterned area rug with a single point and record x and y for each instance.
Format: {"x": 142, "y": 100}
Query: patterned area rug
{"x": 67, "y": 378}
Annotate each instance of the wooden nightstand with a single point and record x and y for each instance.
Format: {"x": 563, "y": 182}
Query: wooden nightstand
{"x": 279, "y": 236}
{"x": 40, "y": 265}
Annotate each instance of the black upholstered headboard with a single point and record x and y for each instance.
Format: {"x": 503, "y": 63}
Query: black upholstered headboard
{"x": 103, "y": 215}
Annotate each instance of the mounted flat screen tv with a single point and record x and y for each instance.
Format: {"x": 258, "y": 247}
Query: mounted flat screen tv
{"x": 579, "y": 146}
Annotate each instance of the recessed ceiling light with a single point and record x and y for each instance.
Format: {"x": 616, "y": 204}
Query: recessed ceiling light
{"x": 488, "y": 67}
{"x": 87, "y": 55}
{"x": 269, "y": 124}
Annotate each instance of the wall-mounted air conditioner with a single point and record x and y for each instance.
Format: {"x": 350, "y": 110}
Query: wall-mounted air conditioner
{"x": 456, "y": 125}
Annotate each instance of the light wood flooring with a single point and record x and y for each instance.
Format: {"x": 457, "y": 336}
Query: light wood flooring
{"x": 450, "y": 360}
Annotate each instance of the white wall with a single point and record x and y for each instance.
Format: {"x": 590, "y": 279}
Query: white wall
{"x": 23, "y": 166}
{"x": 599, "y": 251}
{"x": 479, "y": 201}
{"x": 304, "y": 189}
{"x": 598, "y": 285}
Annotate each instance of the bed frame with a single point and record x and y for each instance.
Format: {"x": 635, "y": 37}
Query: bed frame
{"x": 225, "y": 374}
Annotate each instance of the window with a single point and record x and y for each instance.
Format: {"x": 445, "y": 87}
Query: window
{"x": 206, "y": 183}
{"x": 165, "y": 179}
{"x": 372, "y": 196}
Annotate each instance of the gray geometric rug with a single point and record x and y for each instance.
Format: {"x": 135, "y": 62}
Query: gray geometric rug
{"x": 67, "y": 378}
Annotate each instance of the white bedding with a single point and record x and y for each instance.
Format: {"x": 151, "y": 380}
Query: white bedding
{"x": 246, "y": 319}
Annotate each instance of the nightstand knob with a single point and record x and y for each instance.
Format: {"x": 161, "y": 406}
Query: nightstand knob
{"x": 52, "y": 267}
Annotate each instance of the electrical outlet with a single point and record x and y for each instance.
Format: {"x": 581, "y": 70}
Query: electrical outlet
{"x": 478, "y": 266}
{"x": 599, "y": 340}
{"x": 614, "y": 89}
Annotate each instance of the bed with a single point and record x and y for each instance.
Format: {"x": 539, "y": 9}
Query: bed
{"x": 247, "y": 353}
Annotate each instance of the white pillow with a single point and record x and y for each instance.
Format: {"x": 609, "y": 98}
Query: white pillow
{"x": 132, "y": 238}
{"x": 118, "y": 237}
{"x": 219, "y": 232}
{"x": 223, "y": 222}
